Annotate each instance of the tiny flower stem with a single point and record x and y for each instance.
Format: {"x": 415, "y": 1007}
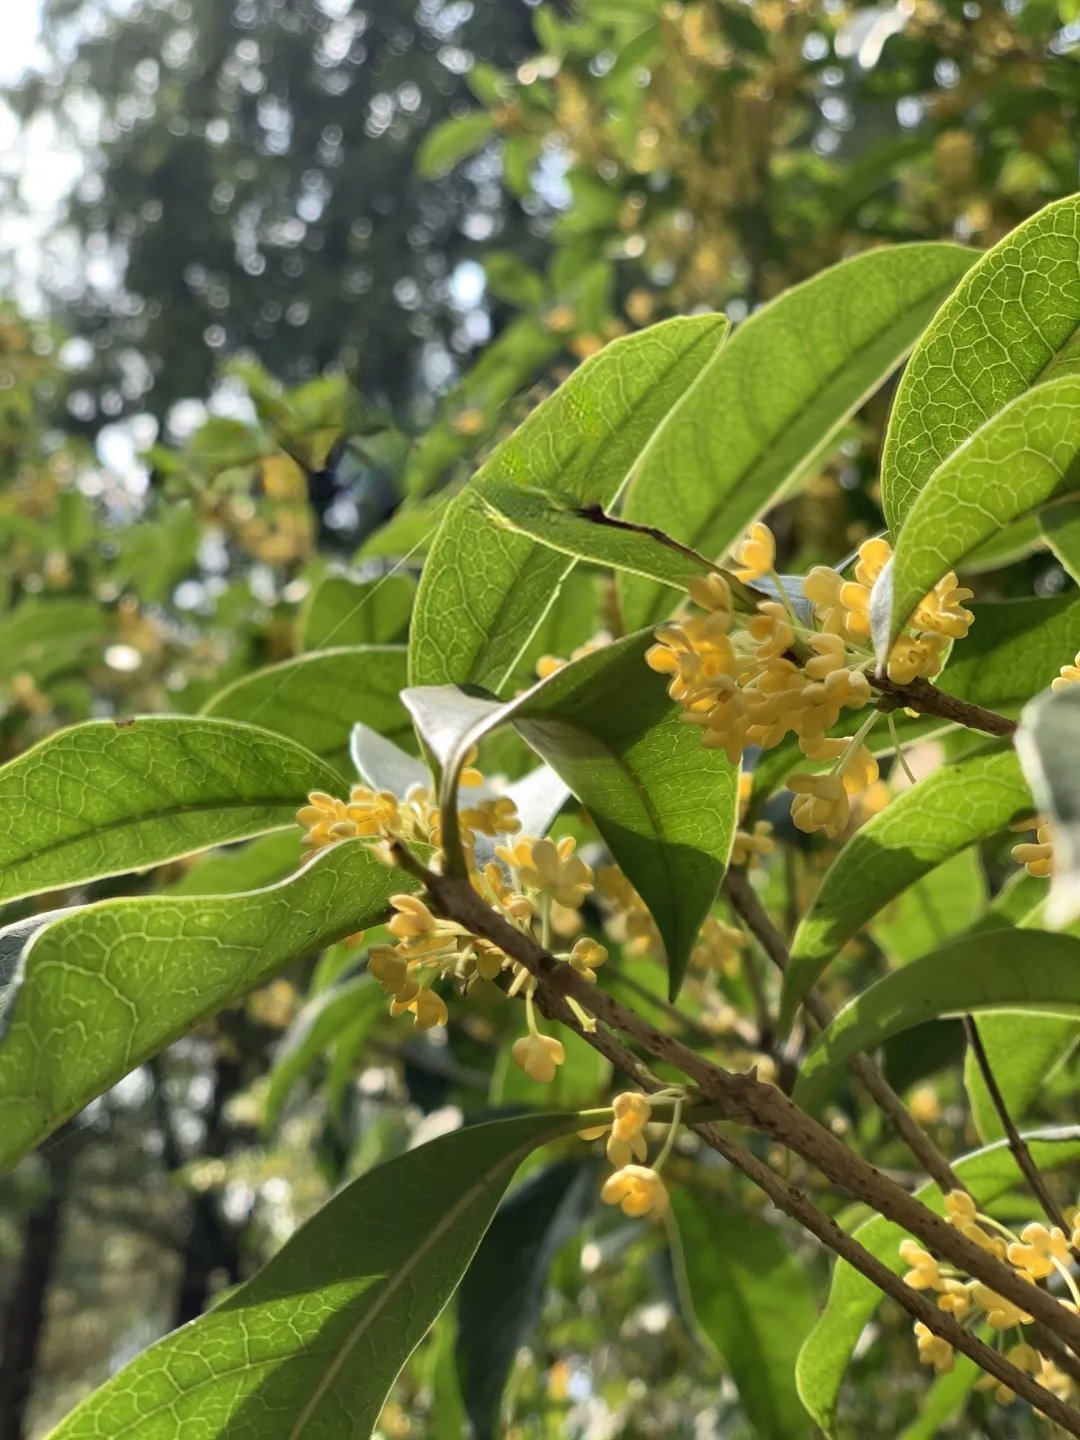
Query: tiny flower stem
{"x": 1063, "y": 1271}
{"x": 530, "y": 1006}
{"x": 785, "y": 598}
{"x": 901, "y": 757}
{"x": 853, "y": 744}
{"x": 588, "y": 1024}
{"x": 672, "y": 1135}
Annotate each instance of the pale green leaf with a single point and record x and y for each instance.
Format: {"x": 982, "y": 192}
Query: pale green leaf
{"x": 942, "y": 904}
{"x": 1049, "y": 744}
{"x": 309, "y": 1348}
{"x": 960, "y": 803}
{"x": 317, "y": 698}
{"x": 753, "y": 1301}
{"x": 1031, "y": 970}
{"x": 452, "y": 141}
{"x": 1010, "y": 324}
{"x": 344, "y": 610}
{"x": 104, "y": 798}
{"x": 944, "y": 1400}
{"x": 1059, "y": 525}
{"x": 485, "y": 590}
{"x": 853, "y": 1300}
{"x": 252, "y": 866}
{"x": 108, "y": 985}
{"x": 1022, "y": 1051}
{"x": 1023, "y": 456}
{"x": 783, "y": 389}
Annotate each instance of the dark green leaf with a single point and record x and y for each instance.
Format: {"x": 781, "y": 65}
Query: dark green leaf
{"x": 1059, "y": 525}
{"x": 312, "y": 1344}
{"x": 1031, "y": 970}
{"x": 354, "y": 1005}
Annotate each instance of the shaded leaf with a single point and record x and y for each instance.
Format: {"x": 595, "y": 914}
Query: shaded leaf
{"x": 485, "y": 590}
{"x": 784, "y": 387}
{"x": 104, "y": 797}
{"x": 317, "y": 698}
{"x": 1059, "y": 525}
{"x": 960, "y": 803}
{"x": 452, "y": 141}
{"x": 136, "y": 974}
{"x": 942, "y": 904}
{"x": 1030, "y": 970}
{"x": 382, "y": 765}
{"x": 1022, "y": 1051}
{"x": 352, "y": 1006}
{"x": 312, "y": 1344}
{"x": 503, "y": 1289}
{"x": 753, "y": 1301}
{"x": 252, "y": 866}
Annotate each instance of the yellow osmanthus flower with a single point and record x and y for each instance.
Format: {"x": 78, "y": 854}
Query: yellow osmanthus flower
{"x": 539, "y": 1056}
{"x": 749, "y": 845}
{"x": 586, "y": 955}
{"x": 1039, "y": 1251}
{"x": 549, "y": 664}
{"x": 1068, "y": 676}
{"x": 719, "y": 947}
{"x": 550, "y": 867}
{"x": 1036, "y": 856}
{"x": 626, "y": 1142}
{"x": 933, "y": 1350}
{"x": 753, "y": 680}
{"x": 1025, "y": 1357}
{"x": 637, "y": 1190}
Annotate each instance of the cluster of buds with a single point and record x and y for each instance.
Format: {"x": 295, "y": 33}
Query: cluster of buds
{"x": 1037, "y": 1253}
{"x": 635, "y": 1187}
{"x": 532, "y": 883}
{"x": 1037, "y": 856}
{"x": 754, "y": 679}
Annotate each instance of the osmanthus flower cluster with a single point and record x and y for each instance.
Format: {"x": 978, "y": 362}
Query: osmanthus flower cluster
{"x": 1037, "y": 1253}
{"x": 529, "y": 880}
{"x": 635, "y": 1187}
{"x": 1037, "y": 856}
{"x": 753, "y": 679}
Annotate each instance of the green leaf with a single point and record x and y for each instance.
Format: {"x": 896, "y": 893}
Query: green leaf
{"x": 943, "y": 1401}
{"x": 784, "y": 387}
{"x": 47, "y": 637}
{"x": 503, "y": 1289}
{"x": 960, "y": 803}
{"x": 252, "y": 866}
{"x": 348, "y": 611}
{"x": 1049, "y": 744}
{"x": 106, "y": 986}
{"x": 663, "y": 803}
{"x": 1031, "y": 970}
{"x": 1060, "y": 527}
{"x": 1013, "y": 650}
{"x": 104, "y": 798}
{"x": 312, "y": 1344}
{"x": 753, "y": 1301}
{"x": 598, "y": 539}
{"x": 452, "y": 141}
{"x": 1022, "y": 1051}
{"x": 354, "y": 1004}
{"x": 317, "y": 698}
{"x": 486, "y": 590}
{"x": 942, "y": 904}
{"x": 853, "y": 1300}
{"x": 1011, "y": 324}
{"x": 1021, "y": 458}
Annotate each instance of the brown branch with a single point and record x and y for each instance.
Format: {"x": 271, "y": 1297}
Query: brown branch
{"x": 745, "y": 1100}
{"x": 1021, "y": 1154}
{"x": 750, "y": 910}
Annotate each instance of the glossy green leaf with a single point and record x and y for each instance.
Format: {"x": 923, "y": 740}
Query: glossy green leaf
{"x": 108, "y": 985}
{"x": 354, "y": 1004}
{"x": 853, "y": 1300}
{"x": 663, "y": 803}
{"x": 485, "y": 590}
{"x": 317, "y": 699}
{"x": 1033, "y": 970}
{"x": 1023, "y": 456}
{"x": 347, "y": 611}
{"x": 786, "y": 384}
{"x": 1010, "y": 324}
{"x": 311, "y": 1346}
{"x": 503, "y": 1289}
{"x": 253, "y": 866}
{"x": 104, "y": 798}
{"x": 753, "y": 1301}
{"x": 960, "y": 803}
{"x": 1049, "y": 744}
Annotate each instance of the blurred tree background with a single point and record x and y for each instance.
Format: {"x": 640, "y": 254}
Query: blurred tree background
{"x": 414, "y": 217}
